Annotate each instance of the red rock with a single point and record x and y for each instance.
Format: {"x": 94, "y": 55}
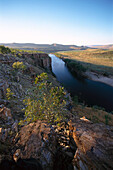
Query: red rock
{"x": 94, "y": 143}
{"x": 38, "y": 141}
{"x": 5, "y": 113}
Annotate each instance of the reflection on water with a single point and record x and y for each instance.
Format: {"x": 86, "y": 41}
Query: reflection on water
{"x": 90, "y": 92}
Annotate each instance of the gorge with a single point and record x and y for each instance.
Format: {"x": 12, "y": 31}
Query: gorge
{"x": 77, "y": 143}
{"x": 88, "y": 91}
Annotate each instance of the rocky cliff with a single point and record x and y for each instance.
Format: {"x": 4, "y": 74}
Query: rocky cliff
{"x": 39, "y": 59}
{"x": 77, "y": 144}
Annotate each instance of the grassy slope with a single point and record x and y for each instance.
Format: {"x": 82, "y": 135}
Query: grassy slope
{"x": 97, "y": 60}
{"x": 94, "y": 114}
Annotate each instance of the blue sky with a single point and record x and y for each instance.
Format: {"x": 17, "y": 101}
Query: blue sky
{"x": 79, "y": 22}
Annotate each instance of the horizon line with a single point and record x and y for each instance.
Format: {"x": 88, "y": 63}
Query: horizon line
{"x": 54, "y": 43}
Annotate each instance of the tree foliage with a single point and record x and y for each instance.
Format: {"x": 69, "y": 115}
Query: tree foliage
{"x": 45, "y": 102}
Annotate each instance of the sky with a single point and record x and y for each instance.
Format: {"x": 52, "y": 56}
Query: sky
{"x": 75, "y": 22}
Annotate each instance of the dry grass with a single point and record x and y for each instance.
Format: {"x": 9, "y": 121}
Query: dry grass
{"x": 95, "y": 115}
{"x": 94, "y": 59}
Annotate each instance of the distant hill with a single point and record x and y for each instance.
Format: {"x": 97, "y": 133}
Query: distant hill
{"x": 48, "y": 48}
{"x": 110, "y": 47}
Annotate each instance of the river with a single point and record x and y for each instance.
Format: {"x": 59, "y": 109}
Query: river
{"x": 88, "y": 91}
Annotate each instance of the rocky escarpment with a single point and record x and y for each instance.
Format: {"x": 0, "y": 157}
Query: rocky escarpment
{"x": 76, "y": 144}
{"x": 38, "y": 59}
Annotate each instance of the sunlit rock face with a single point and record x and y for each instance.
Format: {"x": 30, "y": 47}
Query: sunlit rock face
{"x": 94, "y": 144}
{"x": 50, "y": 145}
{"x": 37, "y": 140}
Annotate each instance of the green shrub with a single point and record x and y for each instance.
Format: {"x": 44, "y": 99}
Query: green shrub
{"x": 9, "y": 94}
{"x": 4, "y": 50}
{"x": 19, "y": 65}
{"x": 45, "y": 102}
{"x": 75, "y": 66}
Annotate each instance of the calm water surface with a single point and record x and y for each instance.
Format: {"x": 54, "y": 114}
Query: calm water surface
{"x": 89, "y": 92}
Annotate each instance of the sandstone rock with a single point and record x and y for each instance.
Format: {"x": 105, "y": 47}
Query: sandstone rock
{"x": 5, "y": 113}
{"x": 38, "y": 141}
{"x": 94, "y": 143}
{"x": 45, "y": 144}
{"x": 39, "y": 59}
{"x": 15, "y": 126}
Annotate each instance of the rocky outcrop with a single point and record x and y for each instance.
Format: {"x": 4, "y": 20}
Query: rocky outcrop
{"x": 7, "y": 123}
{"x": 38, "y": 141}
{"x": 94, "y": 144}
{"x": 80, "y": 144}
{"x": 5, "y": 113}
{"x": 50, "y": 145}
{"x": 39, "y": 59}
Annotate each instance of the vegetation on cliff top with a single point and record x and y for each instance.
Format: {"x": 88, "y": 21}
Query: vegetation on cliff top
{"x": 4, "y": 50}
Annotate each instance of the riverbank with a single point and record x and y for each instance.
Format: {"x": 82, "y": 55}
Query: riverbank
{"x": 97, "y": 60}
{"x": 80, "y": 70}
{"x": 79, "y": 83}
{"x": 98, "y": 77}
{"x": 98, "y": 63}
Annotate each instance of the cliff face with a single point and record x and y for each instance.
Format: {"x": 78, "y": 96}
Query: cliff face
{"x": 39, "y": 59}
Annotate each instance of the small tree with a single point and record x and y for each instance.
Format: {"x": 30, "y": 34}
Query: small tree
{"x": 45, "y": 102}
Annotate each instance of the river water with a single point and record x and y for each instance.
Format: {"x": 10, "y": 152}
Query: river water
{"x": 89, "y": 92}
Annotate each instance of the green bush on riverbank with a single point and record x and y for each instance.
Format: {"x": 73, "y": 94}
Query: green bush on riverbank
{"x": 74, "y": 66}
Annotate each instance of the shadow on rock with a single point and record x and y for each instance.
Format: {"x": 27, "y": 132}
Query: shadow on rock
{"x": 21, "y": 164}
